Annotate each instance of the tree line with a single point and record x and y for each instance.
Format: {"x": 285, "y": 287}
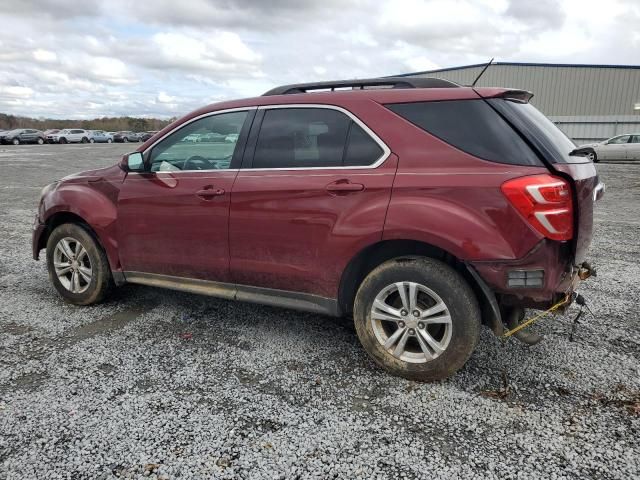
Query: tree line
{"x": 109, "y": 124}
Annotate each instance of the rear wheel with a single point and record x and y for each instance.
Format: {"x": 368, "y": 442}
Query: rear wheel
{"x": 417, "y": 318}
{"x": 109, "y": 140}
{"x": 78, "y": 267}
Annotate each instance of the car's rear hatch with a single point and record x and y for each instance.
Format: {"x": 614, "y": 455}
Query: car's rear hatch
{"x": 554, "y": 147}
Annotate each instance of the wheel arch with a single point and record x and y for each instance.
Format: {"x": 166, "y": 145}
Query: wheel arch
{"x": 374, "y": 255}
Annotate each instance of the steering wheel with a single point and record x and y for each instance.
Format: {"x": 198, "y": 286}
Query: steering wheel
{"x": 196, "y": 162}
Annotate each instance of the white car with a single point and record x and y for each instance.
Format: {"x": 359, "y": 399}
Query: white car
{"x": 70, "y": 135}
{"x": 620, "y": 147}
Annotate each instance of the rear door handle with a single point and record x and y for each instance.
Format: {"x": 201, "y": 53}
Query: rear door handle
{"x": 343, "y": 187}
{"x": 209, "y": 192}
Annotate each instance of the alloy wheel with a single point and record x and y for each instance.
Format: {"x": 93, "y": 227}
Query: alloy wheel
{"x": 411, "y": 322}
{"x": 72, "y": 265}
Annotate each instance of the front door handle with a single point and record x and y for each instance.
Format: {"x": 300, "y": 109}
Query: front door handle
{"x": 208, "y": 192}
{"x": 344, "y": 186}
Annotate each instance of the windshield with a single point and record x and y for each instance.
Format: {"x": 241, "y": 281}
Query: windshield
{"x": 539, "y": 130}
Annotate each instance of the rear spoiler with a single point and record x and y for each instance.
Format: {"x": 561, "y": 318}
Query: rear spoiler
{"x": 511, "y": 94}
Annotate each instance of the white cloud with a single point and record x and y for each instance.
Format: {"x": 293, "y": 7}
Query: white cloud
{"x": 164, "y": 98}
{"x": 164, "y": 58}
{"x": 16, "y": 91}
{"x": 45, "y": 56}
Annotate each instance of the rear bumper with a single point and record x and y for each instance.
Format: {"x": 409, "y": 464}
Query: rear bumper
{"x": 560, "y": 276}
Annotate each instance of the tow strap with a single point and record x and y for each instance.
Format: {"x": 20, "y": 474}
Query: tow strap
{"x": 531, "y": 320}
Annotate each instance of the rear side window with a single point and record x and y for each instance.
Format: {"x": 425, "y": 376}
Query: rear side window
{"x": 311, "y": 138}
{"x": 471, "y": 126}
{"x": 362, "y": 150}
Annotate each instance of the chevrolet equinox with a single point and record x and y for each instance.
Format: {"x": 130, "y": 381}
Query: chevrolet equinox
{"x": 421, "y": 208}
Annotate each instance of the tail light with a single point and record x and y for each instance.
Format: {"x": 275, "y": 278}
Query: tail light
{"x": 545, "y": 201}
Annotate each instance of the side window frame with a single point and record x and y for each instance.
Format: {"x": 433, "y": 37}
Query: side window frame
{"x": 238, "y": 153}
{"x": 247, "y": 161}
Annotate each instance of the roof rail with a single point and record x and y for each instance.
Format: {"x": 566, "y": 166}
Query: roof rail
{"x": 361, "y": 84}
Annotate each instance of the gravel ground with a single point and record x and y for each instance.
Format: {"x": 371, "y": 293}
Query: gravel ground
{"x": 160, "y": 384}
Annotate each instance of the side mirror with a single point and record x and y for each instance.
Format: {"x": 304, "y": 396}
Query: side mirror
{"x": 132, "y": 162}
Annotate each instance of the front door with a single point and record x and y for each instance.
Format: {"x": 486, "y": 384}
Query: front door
{"x": 312, "y": 191}
{"x": 615, "y": 149}
{"x": 173, "y": 218}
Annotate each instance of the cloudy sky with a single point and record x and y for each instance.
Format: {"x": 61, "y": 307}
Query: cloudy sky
{"x": 89, "y": 58}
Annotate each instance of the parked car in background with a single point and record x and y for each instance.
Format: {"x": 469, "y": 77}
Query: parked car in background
{"x": 126, "y": 136}
{"x": 99, "y": 136}
{"x": 70, "y": 135}
{"x": 423, "y": 211}
{"x": 49, "y": 132}
{"x": 620, "y": 147}
{"x": 22, "y": 135}
{"x": 193, "y": 138}
{"x": 144, "y": 136}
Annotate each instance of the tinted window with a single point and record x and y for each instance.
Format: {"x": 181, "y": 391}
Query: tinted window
{"x": 301, "y": 137}
{"x": 548, "y": 139}
{"x": 635, "y": 139}
{"x": 362, "y": 150}
{"x": 471, "y": 126}
{"x": 190, "y": 149}
{"x": 312, "y": 137}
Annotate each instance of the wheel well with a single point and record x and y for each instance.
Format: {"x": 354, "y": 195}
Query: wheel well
{"x": 58, "y": 219}
{"x": 372, "y": 256}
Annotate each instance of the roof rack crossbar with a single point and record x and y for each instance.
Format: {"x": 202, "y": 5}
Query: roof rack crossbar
{"x": 361, "y": 84}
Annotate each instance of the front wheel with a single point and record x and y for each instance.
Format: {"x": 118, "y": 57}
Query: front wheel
{"x": 40, "y": 141}
{"x": 591, "y": 155}
{"x": 16, "y": 141}
{"x": 125, "y": 140}
{"x": 91, "y": 140}
{"x": 78, "y": 267}
{"x": 417, "y": 318}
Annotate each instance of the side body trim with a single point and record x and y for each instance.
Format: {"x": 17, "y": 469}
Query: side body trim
{"x": 243, "y": 293}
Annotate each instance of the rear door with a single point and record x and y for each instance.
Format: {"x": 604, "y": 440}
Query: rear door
{"x": 313, "y": 190}
{"x": 173, "y": 218}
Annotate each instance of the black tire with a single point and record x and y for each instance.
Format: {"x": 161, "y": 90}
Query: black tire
{"x": 454, "y": 292}
{"x": 85, "y": 140}
{"x": 15, "y": 141}
{"x": 101, "y": 279}
{"x": 62, "y": 140}
{"x": 125, "y": 140}
{"x": 40, "y": 141}
{"x": 593, "y": 156}
{"x": 109, "y": 140}
{"x": 91, "y": 140}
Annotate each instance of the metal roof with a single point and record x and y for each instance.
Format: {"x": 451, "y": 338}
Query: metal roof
{"x": 521, "y": 64}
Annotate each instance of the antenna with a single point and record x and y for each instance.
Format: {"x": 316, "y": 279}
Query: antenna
{"x": 482, "y": 73}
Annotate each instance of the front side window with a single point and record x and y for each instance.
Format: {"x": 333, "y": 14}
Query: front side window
{"x": 311, "y": 138}
{"x": 635, "y": 139}
{"x": 619, "y": 140}
{"x": 201, "y": 145}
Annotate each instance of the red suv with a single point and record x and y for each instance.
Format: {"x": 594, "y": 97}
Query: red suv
{"x": 421, "y": 208}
